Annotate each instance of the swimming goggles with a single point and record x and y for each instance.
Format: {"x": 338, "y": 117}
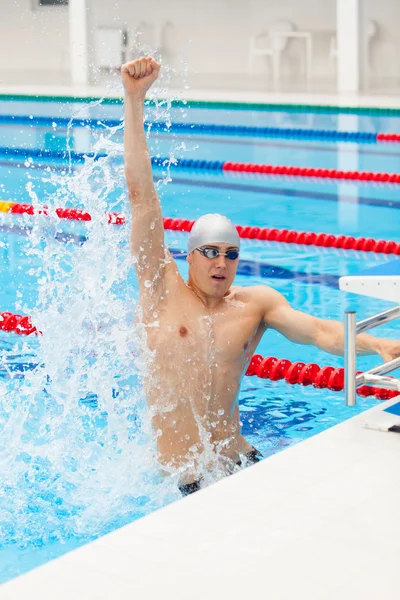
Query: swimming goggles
{"x": 210, "y": 252}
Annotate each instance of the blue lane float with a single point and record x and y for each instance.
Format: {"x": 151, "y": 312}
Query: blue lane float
{"x": 24, "y": 153}
{"x": 327, "y": 135}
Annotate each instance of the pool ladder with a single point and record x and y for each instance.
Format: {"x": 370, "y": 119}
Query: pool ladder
{"x": 374, "y": 376}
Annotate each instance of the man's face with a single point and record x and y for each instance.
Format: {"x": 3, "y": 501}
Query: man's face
{"x": 213, "y": 276}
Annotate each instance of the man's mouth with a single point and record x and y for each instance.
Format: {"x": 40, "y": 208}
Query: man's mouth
{"x": 218, "y": 277}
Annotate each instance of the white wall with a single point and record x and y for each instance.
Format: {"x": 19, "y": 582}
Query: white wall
{"x": 385, "y": 47}
{"x": 211, "y": 36}
{"x": 34, "y": 41}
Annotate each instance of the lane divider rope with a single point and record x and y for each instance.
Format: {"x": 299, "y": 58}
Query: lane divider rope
{"x": 327, "y": 135}
{"x": 216, "y": 165}
{"x": 312, "y": 172}
{"x": 287, "y": 236}
{"x": 217, "y": 104}
{"x": 307, "y": 238}
{"x": 266, "y": 368}
{"x": 309, "y": 374}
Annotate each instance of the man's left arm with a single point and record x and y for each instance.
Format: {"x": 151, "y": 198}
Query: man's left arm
{"x": 302, "y": 328}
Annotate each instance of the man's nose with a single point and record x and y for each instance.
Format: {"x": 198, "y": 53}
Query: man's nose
{"x": 220, "y": 261}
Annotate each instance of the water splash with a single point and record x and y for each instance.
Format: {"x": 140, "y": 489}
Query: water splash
{"x": 77, "y": 449}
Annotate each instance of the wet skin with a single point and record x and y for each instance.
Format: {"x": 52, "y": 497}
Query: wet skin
{"x": 203, "y": 333}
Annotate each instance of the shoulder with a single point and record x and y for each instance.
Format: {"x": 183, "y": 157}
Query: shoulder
{"x": 257, "y": 293}
{"x": 264, "y": 298}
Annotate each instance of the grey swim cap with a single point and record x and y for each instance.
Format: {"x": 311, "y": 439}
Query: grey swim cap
{"x": 212, "y": 228}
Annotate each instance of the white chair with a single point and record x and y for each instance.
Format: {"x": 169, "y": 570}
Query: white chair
{"x": 270, "y": 47}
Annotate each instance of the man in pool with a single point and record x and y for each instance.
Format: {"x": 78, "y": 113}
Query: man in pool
{"x": 202, "y": 332}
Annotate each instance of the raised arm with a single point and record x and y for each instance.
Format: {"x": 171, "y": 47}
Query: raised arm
{"x": 301, "y": 328}
{"x": 147, "y": 236}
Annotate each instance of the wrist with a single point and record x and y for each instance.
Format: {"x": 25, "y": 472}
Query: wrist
{"x": 377, "y": 344}
{"x": 137, "y": 96}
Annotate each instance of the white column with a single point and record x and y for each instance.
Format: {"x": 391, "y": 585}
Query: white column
{"x": 78, "y": 40}
{"x": 349, "y": 45}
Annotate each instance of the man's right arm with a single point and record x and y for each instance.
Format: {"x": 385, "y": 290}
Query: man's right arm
{"x": 147, "y": 237}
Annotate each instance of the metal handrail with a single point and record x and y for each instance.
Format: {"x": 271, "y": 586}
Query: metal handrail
{"x": 376, "y": 320}
{"x": 375, "y": 375}
{"x": 391, "y": 383}
{"x": 387, "y": 367}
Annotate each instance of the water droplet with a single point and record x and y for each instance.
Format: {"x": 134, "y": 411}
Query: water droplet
{"x": 147, "y": 283}
{"x": 221, "y": 412}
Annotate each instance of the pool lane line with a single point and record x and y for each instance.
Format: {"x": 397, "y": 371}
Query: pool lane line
{"x": 294, "y": 171}
{"x": 230, "y": 141}
{"x": 60, "y": 236}
{"x": 215, "y": 165}
{"x": 287, "y": 192}
{"x": 257, "y": 189}
{"x": 24, "y": 153}
{"x": 272, "y": 143}
{"x": 326, "y": 135}
{"x": 290, "y": 236}
{"x": 207, "y": 104}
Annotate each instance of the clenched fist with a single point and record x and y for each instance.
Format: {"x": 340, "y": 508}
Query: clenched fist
{"x": 139, "y": 75}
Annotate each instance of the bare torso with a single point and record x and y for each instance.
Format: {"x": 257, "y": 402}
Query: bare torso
{"x": 199, "y": 356}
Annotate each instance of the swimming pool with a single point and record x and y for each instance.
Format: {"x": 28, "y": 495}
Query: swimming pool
{"x": 76, "y": 450}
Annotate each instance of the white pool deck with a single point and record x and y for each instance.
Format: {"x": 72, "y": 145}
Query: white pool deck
{"x": 228, "y": 95}
{"x": 382, "y": 281}
{"x": 318, "y": 521}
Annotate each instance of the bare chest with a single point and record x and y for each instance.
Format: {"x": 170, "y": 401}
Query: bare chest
{"x": 185, "y": 329}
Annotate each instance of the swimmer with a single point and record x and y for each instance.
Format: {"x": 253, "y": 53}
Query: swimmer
{"x": 202, "y": 332}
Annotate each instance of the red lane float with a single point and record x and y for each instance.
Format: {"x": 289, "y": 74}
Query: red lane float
{"x": 266, "y": 368}
{"x": 307, "y": 238}
{"x": 309, "y": 374}
{"x": 19, "y": 324}
{"x": 287, "y": 236}
{"x": 73, "y": 214}
{"x": 388, "y": 137}
{"x": 312, "y": 172}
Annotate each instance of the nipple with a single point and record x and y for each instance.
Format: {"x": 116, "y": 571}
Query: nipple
{"x": 183, "y": 331}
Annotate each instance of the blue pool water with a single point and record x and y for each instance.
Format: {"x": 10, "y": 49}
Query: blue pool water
{"x": 76, "y": 464}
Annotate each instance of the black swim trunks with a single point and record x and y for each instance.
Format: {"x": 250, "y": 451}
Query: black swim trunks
{"x": 252, "y": 457}
{"x": 189, "y": 488}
